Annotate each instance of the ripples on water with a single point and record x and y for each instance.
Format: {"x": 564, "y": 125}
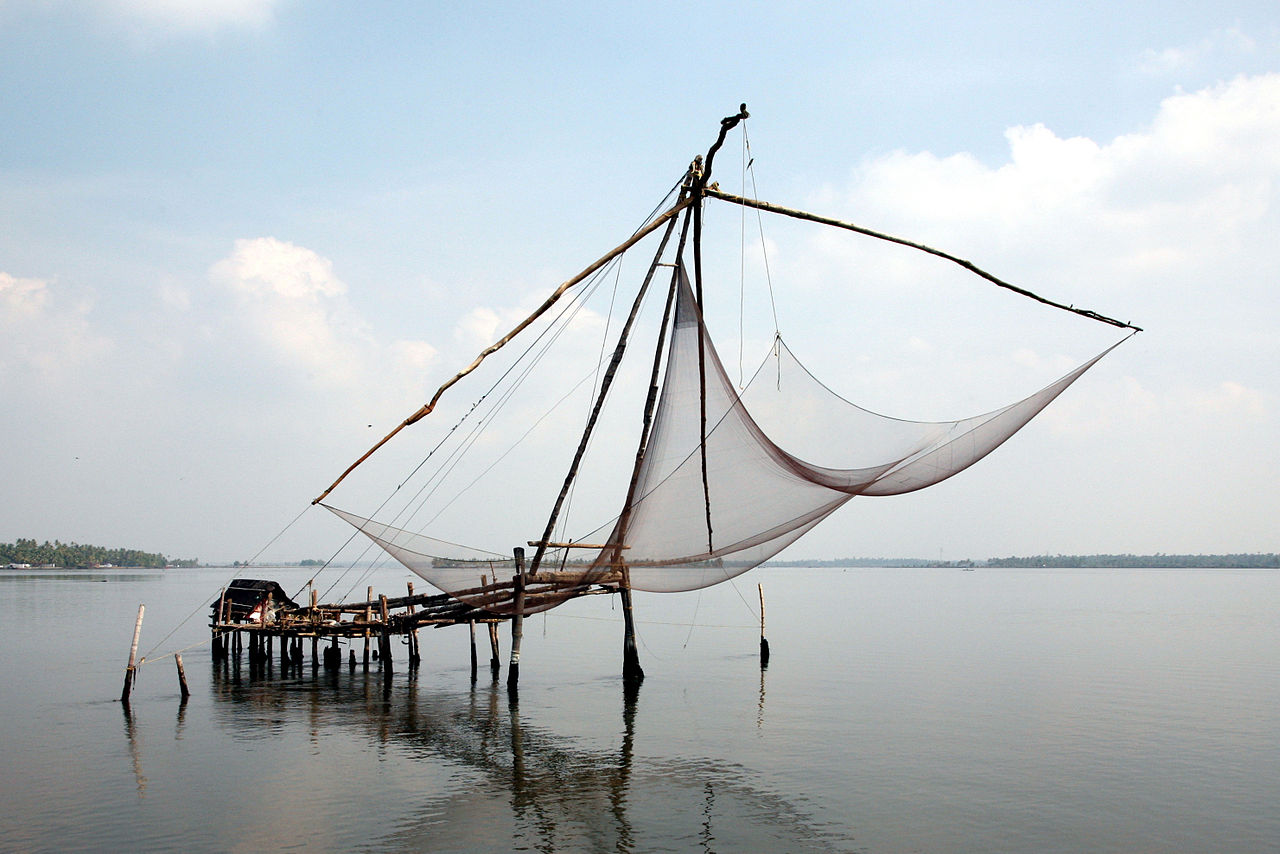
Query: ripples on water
{"x": 925, "y": 710}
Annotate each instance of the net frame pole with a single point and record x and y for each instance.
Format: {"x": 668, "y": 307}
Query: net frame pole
{"x": 430, "y": 405}
{"x": 716, "y": 193}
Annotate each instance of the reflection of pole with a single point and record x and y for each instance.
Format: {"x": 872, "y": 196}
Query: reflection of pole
{"x": 133, "y": 656}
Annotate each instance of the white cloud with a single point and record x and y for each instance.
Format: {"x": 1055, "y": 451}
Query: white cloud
{"x": 45, "y": 336}
{"x": 195, "y": 15}
{"x": 21, "y": 298}
{"x": 1172, "y": 227}
{"x": 296, "y": 308}
{"x": 1229, "y": 42}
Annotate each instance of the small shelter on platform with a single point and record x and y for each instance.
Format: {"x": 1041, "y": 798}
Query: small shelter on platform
{"x": 249, "y": 600}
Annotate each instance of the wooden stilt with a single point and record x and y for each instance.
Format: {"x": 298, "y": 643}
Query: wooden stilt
{"x": 351, "y": 661}
{"x": 414, "y": 657}
{"x": 495, "y": 658}
{"x": 315, "y": 651}
{"x": 133, "y": 655}
{"x": 764, "y": 642}
{"x": 368, "y": 618}
{"x": 182, "y": 677}
{"x": 219, "y": 650}
{"x": 517, "y": 623}
{"x": 386, "y": 633}
{"x": 632, "y": 673}
{"x": 474, "y": 659}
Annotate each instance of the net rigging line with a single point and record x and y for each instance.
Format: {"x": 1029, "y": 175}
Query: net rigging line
{"x": 749, "y": 170}
{"x": 556, "y": 327}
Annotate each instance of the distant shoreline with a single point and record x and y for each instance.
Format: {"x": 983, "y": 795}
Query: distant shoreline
{"x": 1095, "y": 561}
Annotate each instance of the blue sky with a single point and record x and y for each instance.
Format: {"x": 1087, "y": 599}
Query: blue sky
{"x": 236, "y": 233}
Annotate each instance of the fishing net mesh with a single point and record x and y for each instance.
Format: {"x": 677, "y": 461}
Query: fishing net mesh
{"x": 727, "y": 480}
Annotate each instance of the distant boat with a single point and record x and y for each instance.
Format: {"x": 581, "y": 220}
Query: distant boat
{"x": 710, "y": 493}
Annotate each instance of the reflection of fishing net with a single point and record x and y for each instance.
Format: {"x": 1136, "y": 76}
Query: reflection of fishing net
{"x": 699, "y": 516}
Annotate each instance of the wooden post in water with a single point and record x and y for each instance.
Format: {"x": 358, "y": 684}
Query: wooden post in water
{"x": 385, "y": 644}
{"x": 474, "y": 659}
{"x": 133, "y": 656}
{"x": 368, "y": 618}
{"x": 182, "y": 677}
{"x": 495, "y": 657}
{"x": 414, "y": 657}
{"x": 632, "y": 673}
{"x": 315, "y": 622}
{"x": 517, "y": 623}
{"x": 219, "y": 651}
{"x": 764, "y": 642}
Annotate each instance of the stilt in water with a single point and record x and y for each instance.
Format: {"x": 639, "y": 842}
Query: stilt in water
{"x": 133, "y": 656}
{"x": 368, "y": 618}
{"x": 182, "y": 677}
{"x": 764, "y": 642}
{"x": 474, "y": 659}
{"x": 632, "y": 673}
{"x": 385, "y": 641}
{"x": 219, "y": 651}
{"x": 414, "y": 657}
{"x": 495, "y": 658}
{"x": 517, "y": 623}
{"x": 351, "y": 661}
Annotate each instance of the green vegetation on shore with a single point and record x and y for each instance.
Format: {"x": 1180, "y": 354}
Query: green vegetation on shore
{"x": 74, "y": 555}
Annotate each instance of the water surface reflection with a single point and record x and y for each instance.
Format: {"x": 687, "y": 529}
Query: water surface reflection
{"x": 496, "y": 776}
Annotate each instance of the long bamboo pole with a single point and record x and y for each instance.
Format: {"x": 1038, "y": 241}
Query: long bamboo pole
{"x": 426, "y": 409}
{"x": 879, "y": 235}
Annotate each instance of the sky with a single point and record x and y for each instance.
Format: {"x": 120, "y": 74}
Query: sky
{"x": 240, "y": 240}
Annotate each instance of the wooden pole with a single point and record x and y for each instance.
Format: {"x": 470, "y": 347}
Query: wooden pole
{"x": 368, "y": 618}
{"x": 632, "y": 673}
{"x": 414, "y": 657}
{"x": 656, "y": 223}
{"x": 517, "y": 622}
{"x": 182, "y": 677}
{"x": 764, "y": 642}
{"x": 715, "y": 193}
{"x": 474, "y": 659}
{"x": 133, "y": 655}
{"x": 495, "y": 657}
{"x": 386, "y": 633}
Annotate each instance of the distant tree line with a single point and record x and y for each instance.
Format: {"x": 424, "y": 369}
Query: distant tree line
{"x": 1156, "y": 561}
{"x": 62, "y": 554}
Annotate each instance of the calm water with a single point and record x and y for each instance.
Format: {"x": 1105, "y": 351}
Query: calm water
{"x": 903, "y": 710}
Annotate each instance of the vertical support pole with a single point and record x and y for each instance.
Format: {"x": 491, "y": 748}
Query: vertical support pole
{"x": 764, "y": 642}
{"x": 315, "y": 651}
{"x": 414, "y": 657}
{"x": 632, "y": 673}
{"x": 474, "y": 659}
{"x": 182, "y": 677}
{"x": 386, "y": 633}
{"x": 517, "y": 623}
{"x": 219, "y": 651}
{"x": 368, "y": 618}
{"x": 495, "y": 658}
{"x": 133, "y": 656}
